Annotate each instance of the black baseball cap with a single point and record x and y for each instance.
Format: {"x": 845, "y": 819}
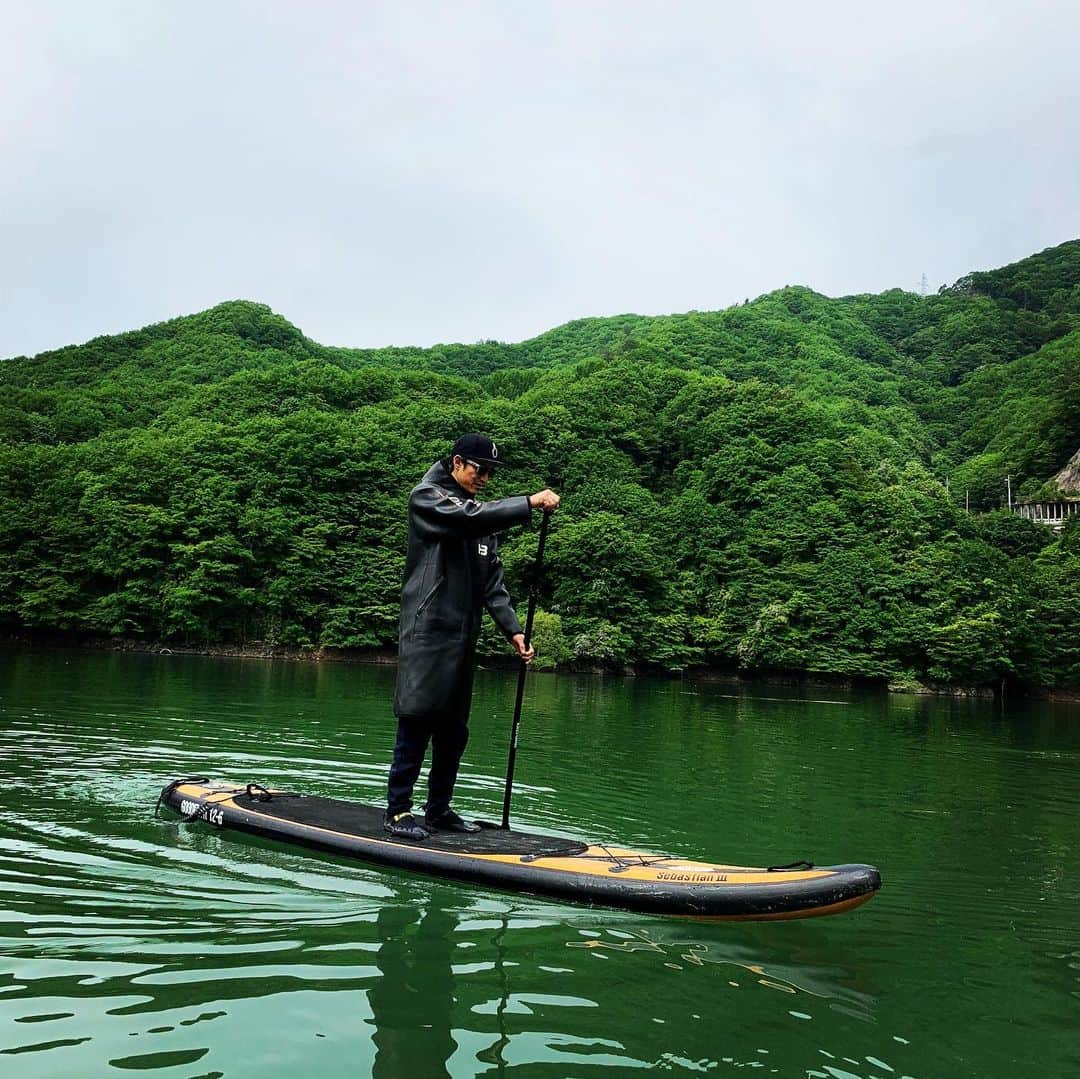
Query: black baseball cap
{"x": 478, "y": 448}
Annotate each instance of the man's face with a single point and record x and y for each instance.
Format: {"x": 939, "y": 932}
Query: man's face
{"x": 471, "y": 475}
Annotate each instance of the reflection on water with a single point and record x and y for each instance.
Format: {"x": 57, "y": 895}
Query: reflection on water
{"x": 825, "y": 982}
{"x": 146, "y": 945}
{"x": 412, "y": 1003}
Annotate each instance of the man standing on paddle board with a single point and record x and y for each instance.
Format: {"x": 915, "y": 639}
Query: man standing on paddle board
{"x": 452, "y": 572}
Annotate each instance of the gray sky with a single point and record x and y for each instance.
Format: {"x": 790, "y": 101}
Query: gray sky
{"x": 409, "y": 173}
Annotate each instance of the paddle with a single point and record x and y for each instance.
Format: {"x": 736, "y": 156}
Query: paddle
{"x": 521, "y": 672}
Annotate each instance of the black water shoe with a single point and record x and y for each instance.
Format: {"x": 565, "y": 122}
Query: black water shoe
{"x": 405, "y": 826}
{"x": 449, "y": 821}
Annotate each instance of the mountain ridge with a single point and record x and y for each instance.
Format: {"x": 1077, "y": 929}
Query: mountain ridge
{"x": 779, "y": 485}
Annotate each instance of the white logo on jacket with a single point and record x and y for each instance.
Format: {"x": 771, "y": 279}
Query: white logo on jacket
{"x": 482, "y": 548}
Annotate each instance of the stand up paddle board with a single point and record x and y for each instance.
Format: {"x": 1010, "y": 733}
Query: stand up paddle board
{"x": 591, "y": 873}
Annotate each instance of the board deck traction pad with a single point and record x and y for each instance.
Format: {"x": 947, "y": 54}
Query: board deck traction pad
{"x": 596, "y": 874}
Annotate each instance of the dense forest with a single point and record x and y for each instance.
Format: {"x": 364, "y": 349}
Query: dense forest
{"x": 795, "y": 484}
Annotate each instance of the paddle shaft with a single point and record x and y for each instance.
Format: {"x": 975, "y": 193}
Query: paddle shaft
{"x": 512, "y": 757}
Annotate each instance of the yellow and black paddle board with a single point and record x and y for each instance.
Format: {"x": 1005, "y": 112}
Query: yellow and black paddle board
{"x": 592, "y": 873}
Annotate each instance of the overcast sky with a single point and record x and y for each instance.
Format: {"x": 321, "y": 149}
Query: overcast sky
{"x": 409, "y": 173}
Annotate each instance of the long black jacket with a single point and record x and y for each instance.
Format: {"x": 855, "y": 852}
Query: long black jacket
{"x": 452, "y": 572}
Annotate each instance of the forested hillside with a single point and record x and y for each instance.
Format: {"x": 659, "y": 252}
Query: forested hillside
{"x": 779, "y": 486}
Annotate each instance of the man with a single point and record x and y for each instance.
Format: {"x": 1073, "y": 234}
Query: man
{"x": 452, "y": 572}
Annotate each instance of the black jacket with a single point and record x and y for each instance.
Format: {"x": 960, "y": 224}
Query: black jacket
{"x": 452, "y": 572}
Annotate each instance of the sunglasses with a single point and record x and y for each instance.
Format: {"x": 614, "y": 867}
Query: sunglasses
{"x": 481, "y": 470}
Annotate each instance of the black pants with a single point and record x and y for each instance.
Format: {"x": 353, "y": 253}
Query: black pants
{"x": 448, "y": 736}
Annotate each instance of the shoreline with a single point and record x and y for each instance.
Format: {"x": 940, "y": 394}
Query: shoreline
{"x": 388, "y": 658}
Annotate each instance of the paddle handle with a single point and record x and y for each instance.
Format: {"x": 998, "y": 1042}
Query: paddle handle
{"x": 523, "y": 668}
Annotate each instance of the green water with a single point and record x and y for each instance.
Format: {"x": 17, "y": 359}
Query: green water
{"x": 140, "y": 945}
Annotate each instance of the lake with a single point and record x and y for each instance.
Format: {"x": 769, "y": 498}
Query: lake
{"x": 137, "y": 944}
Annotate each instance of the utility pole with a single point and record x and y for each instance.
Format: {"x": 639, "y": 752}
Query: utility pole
{"x": 967, "y": 502}
{"x": 1008, "y": 488}
{"x": 922, "y": 286}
